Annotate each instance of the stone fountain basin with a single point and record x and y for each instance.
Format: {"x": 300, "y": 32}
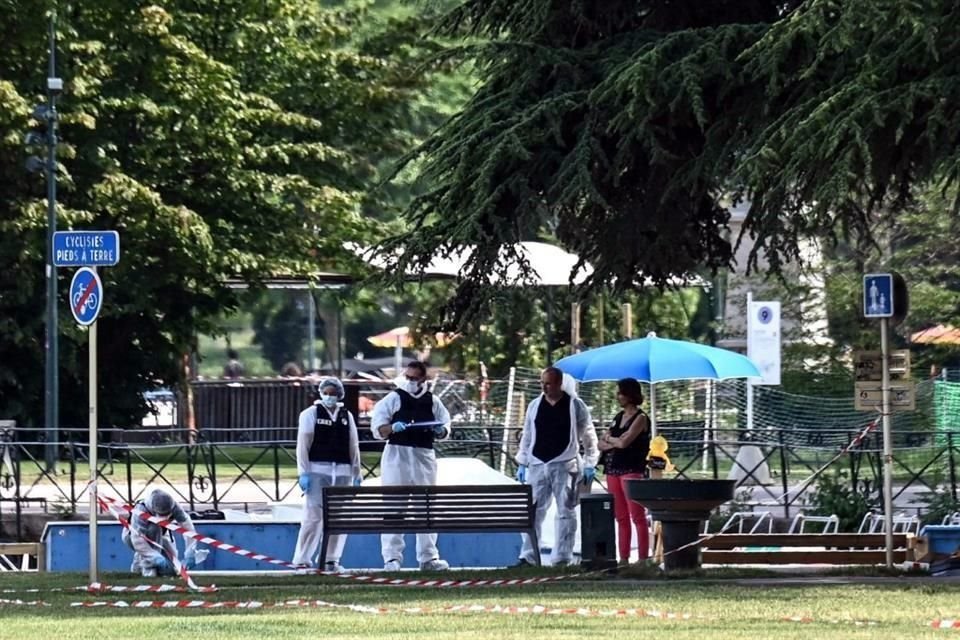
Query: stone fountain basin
{"x": 674, "y": 499}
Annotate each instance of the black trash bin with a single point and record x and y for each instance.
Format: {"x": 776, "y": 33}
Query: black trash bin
{"x": 598, "y": 543}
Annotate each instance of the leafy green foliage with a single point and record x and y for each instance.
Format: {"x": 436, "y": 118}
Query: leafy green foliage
{"x": 862, "y": 99}
{"x": 222, "y": 141}
{"x": 833, "y": 495}
{"x": 616, "y": 124}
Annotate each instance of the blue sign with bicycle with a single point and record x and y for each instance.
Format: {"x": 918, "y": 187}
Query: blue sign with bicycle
{"x": 86, "y": 296}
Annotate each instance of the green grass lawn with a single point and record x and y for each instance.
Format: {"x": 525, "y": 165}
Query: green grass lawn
{"x": 718, "y": 609}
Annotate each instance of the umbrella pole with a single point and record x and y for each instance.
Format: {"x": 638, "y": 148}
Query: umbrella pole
{"x": 653, "y": 410}
{"x": 398, "y": 357}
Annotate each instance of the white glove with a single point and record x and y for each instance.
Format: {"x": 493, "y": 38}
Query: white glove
{"x": 200, "y": 555}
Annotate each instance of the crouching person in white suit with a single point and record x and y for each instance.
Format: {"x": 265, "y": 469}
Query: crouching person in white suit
{"x": 153, "y": 547}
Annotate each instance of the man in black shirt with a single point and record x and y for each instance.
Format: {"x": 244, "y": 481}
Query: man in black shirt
{"x": 549, "y": 457}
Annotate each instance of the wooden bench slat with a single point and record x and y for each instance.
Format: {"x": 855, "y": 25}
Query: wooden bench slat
{"x": 873, "y": 556}
{"x": 837, "y": 540}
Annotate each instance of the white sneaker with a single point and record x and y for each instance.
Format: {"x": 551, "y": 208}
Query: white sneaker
{"x": 148, "y": 572}
{"x": 434, "y": 565}
{"x": 392, "y": 565}
{"x": 333, "y": 567}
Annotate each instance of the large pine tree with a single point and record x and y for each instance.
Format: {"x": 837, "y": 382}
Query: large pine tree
{"x": 615, "y": 124}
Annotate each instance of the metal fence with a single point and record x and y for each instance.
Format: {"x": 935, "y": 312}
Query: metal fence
{"x": 218, "y": 467}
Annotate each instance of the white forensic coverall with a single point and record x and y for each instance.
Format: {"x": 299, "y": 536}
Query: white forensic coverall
{"x": 147, "y": 554}
{"x": 322, "y": 474}
{"x": 559, "y": 478}
{"x": 407, "y": 465}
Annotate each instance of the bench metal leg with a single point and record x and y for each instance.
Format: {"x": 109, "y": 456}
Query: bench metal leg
{"x": 536, "y": 545}
{"x": 324, "y": 541}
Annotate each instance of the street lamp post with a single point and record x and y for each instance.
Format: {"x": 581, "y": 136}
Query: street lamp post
{"x": 46, "y": 114}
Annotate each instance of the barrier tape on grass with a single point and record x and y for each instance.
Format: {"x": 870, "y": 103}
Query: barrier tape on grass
{"x": 99, "y": 587}
{"x": 228, "y": 604}
{"x": 477, "y": 608}
{"x": 24, "y": 603}
{"x": 809, "y": 620}
{"x": 379, "y": 580}
{"x": 945, "y": 624}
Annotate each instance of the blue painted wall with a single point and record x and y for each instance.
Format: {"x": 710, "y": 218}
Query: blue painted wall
{"x": 68, "y": 549}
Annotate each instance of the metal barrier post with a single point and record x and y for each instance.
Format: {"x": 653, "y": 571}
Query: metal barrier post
{"x": 953, "y": 466}
{"x": 784, "y": 473}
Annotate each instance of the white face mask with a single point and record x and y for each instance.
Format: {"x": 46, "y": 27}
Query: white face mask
{"x": 411, "y": 387}
{"x": 329, "y": 401}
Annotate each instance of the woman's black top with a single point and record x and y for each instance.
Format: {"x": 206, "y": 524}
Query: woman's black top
{"x": 632, "y": 459}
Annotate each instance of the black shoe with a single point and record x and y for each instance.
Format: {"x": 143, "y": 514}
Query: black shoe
{"x": 523, "y": 562}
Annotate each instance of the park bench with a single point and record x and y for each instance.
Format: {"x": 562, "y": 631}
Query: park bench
{"x": 803, "y": 548}
{"x": 428, "y": 509}
{"x": 16, "y": 556}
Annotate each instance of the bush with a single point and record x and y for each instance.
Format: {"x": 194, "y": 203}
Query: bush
{"x": 834, "y": 495}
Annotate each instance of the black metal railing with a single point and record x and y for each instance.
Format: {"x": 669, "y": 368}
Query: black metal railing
{"x": 213, "y": 467}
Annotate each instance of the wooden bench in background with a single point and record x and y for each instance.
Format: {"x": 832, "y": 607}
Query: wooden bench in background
{"x": 803, "y": 548}
{"x": 428, "y": 509}
{"x": 16, "y": 556}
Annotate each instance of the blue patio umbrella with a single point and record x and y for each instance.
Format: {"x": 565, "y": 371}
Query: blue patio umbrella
{"x": 654, "y": 360}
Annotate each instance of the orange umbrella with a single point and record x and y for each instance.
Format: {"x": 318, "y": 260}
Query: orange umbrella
{"x": 940, "y": 334}
{"x": 403, "y": 337}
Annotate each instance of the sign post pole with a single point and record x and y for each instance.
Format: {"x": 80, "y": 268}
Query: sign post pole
{"x": 86, "y": 300}
{"x": 92, "y": 388}
{"x": 887, "y": 442}
{"x": 88, "y": 250}
{"x": 878, "y": 302}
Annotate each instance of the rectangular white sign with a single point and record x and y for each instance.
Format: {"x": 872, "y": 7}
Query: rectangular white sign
{"x": 763, "y": 339}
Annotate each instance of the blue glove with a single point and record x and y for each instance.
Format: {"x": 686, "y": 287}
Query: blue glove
{"x": 522, "y": 474}
{"x": 589, "y": 473}
{"x": 398, "y": 426}
{"x": 190, "y": 558}
{"x": 304, "y": 482}
{"x": 163, "y": 565}
{"x": 357, "y": 482}
{"x": 439, "y": 430}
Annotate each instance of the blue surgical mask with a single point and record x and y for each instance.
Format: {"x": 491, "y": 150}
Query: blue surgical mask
{"x": 329, "y": 401}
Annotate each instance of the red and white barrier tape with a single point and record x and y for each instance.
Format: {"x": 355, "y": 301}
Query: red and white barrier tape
{"x": 945, "y": 624}
{"x": 808, "y": 620}
{"x": 24, "y": 603}
{"x": 107, "y": 504}
{"x": 99, "y": 587}
{"x": 406, "y": 582}
{"x": 476, "y": 608}
{"x": 213, "y": 542}
{"x": 228, "y": 604}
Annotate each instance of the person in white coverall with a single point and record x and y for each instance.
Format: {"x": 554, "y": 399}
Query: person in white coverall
{"x": 410, "y": 419}
{"x": 328, "y": 454}
{"x": 153, "y": 546}
{"x": 556, "y": 424}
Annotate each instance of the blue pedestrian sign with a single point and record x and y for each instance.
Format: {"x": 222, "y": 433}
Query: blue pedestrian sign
{"x": 878, "y": 295}
{"x": 86, "y": 248}
{"x": 86, "y": 296}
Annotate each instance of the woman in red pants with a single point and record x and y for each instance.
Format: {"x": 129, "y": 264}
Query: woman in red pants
{"x": 625, "y": 448}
